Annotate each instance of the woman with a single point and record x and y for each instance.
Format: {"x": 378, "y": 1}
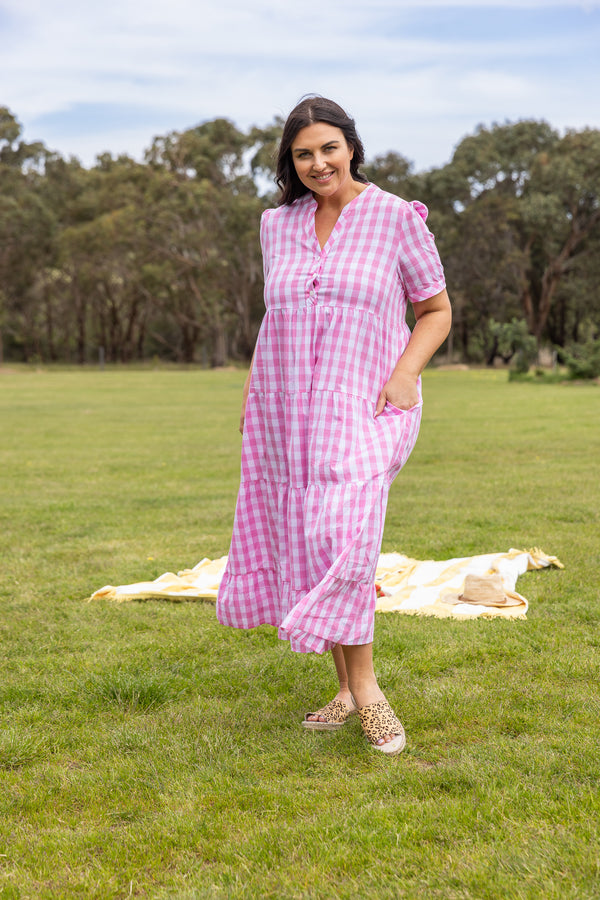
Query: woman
{"x": 331, "y": 407}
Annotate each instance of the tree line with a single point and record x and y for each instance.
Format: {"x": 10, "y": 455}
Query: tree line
{"x": 161, "y": 258}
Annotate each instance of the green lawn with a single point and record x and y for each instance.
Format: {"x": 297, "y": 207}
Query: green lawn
{"x": 146, "y": 751}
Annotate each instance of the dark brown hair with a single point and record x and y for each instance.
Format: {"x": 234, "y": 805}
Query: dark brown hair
{"x": 311, "y": 109}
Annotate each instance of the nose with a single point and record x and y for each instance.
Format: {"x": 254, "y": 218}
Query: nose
{"x": 318, "y": 162}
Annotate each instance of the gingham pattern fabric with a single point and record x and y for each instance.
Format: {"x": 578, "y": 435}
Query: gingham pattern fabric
{"x": 316, "y": 464}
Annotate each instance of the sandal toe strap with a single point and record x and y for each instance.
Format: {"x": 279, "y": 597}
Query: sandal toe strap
{"x": 379, "y": 719}
{"x": 334, "y": 711}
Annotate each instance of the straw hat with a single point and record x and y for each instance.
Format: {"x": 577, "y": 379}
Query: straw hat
{"x": 487, "y": 590}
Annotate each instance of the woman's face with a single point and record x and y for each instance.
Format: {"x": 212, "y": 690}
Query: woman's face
{"x": 321, "y": 158}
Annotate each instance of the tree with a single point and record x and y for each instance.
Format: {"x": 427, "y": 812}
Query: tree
{"x": 561, "y": 217}
{"x": 164, "y": 256}
{"x": 206, "y": 230}
{"x": 501, "y": 158}
{"x": 15, "y": 154}
{"x": 392, "y": 172}
{"x": 575, "y": 313}
{"x": 103, "y": 259}
{"x": 552, "y": 187}
{"x": 485, "y": 267}
{"x": 213, "y": 151}
{"x": 264, "y": 145}
{"x": 512, "y": 341}
{"x": 27, "y": 235}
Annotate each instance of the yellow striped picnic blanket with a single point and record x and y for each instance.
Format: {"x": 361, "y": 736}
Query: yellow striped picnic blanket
{"x": 424, "y": 587}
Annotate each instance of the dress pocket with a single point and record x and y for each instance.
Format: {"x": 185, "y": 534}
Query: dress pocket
{"x": 403, "y": 425}
{"x": 389, "y": 407}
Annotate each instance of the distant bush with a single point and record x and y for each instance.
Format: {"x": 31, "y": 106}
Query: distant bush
{"x": 582, "y": 360}
{"x": 514, "y": 343}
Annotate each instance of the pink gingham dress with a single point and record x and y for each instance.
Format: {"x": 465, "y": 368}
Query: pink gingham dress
{"x": 316, "y": 464}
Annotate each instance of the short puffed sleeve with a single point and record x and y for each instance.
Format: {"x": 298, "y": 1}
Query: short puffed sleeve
{"x": 419, "y": 263}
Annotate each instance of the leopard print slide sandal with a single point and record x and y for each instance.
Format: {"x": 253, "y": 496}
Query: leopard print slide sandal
{"x": 335, "y": 714}
{"x": 377, "y": 720}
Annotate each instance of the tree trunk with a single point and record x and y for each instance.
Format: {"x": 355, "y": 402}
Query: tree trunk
{"x": 219, "y": 346}
{"x": 189, "y": 339}
{"x": 49, "y": 324}
{"x": 81, "y": 313}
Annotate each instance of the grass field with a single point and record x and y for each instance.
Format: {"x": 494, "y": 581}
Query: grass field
{"x": 146, "y": 751}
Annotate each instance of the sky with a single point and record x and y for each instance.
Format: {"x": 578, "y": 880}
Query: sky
{"x": 110, "y": 75}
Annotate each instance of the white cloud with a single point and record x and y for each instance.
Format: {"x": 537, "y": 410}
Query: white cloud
{"x": 134, "y": 69}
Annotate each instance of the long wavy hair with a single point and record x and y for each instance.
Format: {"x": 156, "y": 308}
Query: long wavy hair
{"x": 311, "y": 109}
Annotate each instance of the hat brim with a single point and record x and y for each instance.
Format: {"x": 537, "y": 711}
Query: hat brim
{"x": 510, "y": 600}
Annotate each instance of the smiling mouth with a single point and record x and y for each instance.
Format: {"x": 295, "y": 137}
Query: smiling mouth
{"x": 324, "y": 177}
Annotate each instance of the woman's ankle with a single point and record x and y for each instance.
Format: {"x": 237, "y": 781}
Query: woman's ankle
{"x": 345, "y": 695}
{"x": 366, "y": 693}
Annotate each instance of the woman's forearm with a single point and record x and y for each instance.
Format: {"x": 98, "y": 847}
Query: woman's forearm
{"x": 434, "y": 317}
{"x": 430, "y": 332}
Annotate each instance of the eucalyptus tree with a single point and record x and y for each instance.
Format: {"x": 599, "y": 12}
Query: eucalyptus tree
{"x": 392, "y": 172}
{"x": 27, "y": 240}
{"x": 205, "y": 233}
{"x": 263, "y": 149}
{"x": 520, "y": 210}
{"x": 104, "y": 250}
{"x": 164, "y": 257}
{"x": 561, "y": 219}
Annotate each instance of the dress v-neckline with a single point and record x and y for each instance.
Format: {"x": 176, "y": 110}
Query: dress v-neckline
{"x": 334, "y": 230}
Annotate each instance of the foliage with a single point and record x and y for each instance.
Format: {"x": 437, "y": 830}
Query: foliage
{"x": 392, "y": 173}
{"x": 162, "y": 258}
{"x": 148, "y": 751}
{"x": 583, "y": 360}
{"x": 521, "y": 214}
{"x": 512, "y": 341}
{"x": 538, "y": 375}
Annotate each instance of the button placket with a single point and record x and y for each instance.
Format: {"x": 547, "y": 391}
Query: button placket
{"x": 312, "y": 287}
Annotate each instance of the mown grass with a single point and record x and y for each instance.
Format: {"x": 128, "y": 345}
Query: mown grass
{"x": 147, "y": 751}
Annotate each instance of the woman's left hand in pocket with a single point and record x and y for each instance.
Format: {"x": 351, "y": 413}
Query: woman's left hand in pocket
{"x": 401, "y": 391}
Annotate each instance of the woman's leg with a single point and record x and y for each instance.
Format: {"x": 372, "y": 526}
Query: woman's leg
{"x": 344, "y": 693}
{"x": 362, "y": 683}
